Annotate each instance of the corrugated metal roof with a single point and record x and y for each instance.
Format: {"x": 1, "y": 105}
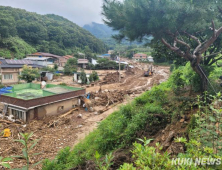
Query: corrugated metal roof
{"x": 45, "y": 55}
{"x": 37, "y": 58}
{"x": 67, "y": 56}
{"x": 4, "y": 64}
{"x": 18, "y": 62}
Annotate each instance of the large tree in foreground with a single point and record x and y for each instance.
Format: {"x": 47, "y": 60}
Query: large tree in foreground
{"x": 187, "y": 27}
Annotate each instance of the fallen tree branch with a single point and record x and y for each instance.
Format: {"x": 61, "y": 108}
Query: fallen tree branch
{"x": 69, "y": 112}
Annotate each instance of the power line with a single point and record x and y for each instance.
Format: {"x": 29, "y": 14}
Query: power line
{"x": 207, "y": 78}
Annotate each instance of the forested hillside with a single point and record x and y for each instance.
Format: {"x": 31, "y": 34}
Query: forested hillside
{"x": 25, "y": 32}
{"x": 105, "y": 33}
{"x": 100, "y": 30}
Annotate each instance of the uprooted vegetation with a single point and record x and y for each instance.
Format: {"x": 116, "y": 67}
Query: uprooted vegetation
{"x": 149, "y": 115}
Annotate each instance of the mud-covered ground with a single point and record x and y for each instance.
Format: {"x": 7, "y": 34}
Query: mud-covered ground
{"x": 58, "y": 132}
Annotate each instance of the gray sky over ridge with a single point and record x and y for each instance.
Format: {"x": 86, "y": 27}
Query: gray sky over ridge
{"x": 80, "y": 12}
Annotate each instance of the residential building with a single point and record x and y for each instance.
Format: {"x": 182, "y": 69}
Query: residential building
{"x": 83, "y": 63}
{"x": 140, "y": 57}
{"x": 11, "y": 69}
{"x": 55, "y": 59}
{"x": 28, "y": 101}
{"x": 43, "y": 61}
{"x": 64, "y": 59}
{"x": 150, "y": 59}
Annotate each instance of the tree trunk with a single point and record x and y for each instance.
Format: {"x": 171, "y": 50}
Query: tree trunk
{"x": 200, "y": 71}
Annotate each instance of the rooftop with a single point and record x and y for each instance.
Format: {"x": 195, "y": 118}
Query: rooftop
{"x": 31, "y": 95}
{"x": 31, "y": 91}
{"x": 37, "y": 58}
{"x": 6, "y": 63}
{"x": 44, "y": 55}
{"x": 83, "y": 61}
{"x": 68, "y": 56}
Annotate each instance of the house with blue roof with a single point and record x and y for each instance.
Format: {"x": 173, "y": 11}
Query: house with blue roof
{"x": 105, "y": 56}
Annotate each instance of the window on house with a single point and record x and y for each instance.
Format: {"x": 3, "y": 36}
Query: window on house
{"x": 8, "y": 76}
{"x": 18, "y": 114}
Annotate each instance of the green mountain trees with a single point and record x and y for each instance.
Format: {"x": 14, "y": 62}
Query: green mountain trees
{"x": 45, "y": 33}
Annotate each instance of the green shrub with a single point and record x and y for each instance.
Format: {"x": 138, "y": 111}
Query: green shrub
{"x": 29, "y": 74}
{"x": 57, "y": 74}
{"x": 172, "y": 67}
{"x": 93, "y": 76}
{"x": 149, "y": 157}
{"x": 63, "y": 84}
{"x": 177, "y": 81}
{"x": 55, "y": 66}
{"x": 83, "y": 77}
{"x": 214, "y": 80}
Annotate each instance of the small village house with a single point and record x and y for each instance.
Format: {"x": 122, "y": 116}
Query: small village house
{"x": 11, "y": 69}
{"x": 64, "y": 59}
{"x": 42, "y": 61}
{"x": 140, "y": 57}
{"x": 83, "y": 63}
{"x": 150, "y": 59}
{"x": 48, "y": 58}
{"x": 28, "y": 101}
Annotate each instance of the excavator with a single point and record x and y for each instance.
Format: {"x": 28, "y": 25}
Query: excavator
{"x": 149, "y": 72}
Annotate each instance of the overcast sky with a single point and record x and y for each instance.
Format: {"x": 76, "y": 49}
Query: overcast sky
{"x": 79, "y": 11}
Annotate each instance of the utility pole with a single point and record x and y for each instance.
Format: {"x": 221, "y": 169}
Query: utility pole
{"x": 119, "y": 68}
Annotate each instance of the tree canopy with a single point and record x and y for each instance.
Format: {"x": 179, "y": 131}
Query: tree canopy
{"x": 29, "y": 74}
{"x": 71, "y": 66}
{"x": 185, "y": 27}
{"x": 138, "y": 18}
